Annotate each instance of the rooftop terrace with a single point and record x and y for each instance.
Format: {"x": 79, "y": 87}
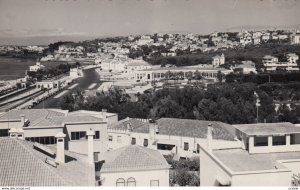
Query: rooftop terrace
{"x": 239, "y": 160}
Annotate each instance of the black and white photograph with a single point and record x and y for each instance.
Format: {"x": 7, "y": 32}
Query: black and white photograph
{"x": 149, "y": 93}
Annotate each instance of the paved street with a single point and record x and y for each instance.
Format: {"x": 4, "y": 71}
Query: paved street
{"x": 90, "y": 77}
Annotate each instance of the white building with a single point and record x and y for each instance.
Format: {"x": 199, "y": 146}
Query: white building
{"x": 134, "y": 165}
{"x": 292, "y": 57}
{"x": 33, "y": 164}
{"x": 218, "y": 60}
{"x": 145, "y": 40}
{"x": 48, "y": 58}
{"x": 36, "y": 67}
{"x": 161, "y": 73}
{"x": 246, "y": 67}
{"x": 75, "y": 73}
{"x": 136, "y": 65}
{"x": 41, "y": 125}
{"x": 271, "y": 63}
{"x": 269, "y": 156}
{"x": 180, "y": 137}
{"x": 295, "y": 38}
{"x": 51, "y": 147}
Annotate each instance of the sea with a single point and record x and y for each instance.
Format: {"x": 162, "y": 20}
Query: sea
{"x": 14, "y": 68}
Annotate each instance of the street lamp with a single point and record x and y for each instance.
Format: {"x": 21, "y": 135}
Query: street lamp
{"x": 74, "y": 97}
{"x": 257, "y": 105}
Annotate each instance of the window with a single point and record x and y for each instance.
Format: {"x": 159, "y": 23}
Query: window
{"x": 295, "y": 139}
{"x": 110, "y": 138}
{"x": 133, "y": 141}
{"x": 42, "y": 140}
{"x": 145, "y": 142}
{"x": 78, "y": 135}
{"x": 3, "y": 132}
{"x": 131, "y": 182}
{"x": 154, "y": 183}
{"x": 97, "y": 135}
{"x": 279, "y": 140}
{"x": 119, "y": 139}
{"x": 186, "y": 146}
{"x": 120, "y": 182}
{"x": 165, "y": 146}
{"x": 260, "y": 141}
{"x": 198, "y": 148}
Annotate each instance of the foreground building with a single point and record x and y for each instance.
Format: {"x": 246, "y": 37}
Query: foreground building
{"x": 51, "y": 147}
{"x": 24, "y": 163}
{"x": 134, "y": 165}
{"x": 269, "y": 156}
{"x": 170, "y": 136}
{"x": 42, "y": 125}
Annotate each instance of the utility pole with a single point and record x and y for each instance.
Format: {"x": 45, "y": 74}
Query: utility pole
{"x": 257, "y": 105}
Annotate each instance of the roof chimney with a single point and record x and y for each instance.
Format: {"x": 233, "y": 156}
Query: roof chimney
{"x": 17, "y": 133}
{"x": 104, "y": 114}
{"x": 153, "y": 129}
{"x": 209, "y": 137}
{"x": 22, "y": 120}
{"x": 90, "y": 133}
{"x": 91, "y": 163}
{"x": 60, "y": 145}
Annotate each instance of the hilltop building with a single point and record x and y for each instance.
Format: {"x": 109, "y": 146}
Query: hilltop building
{"x": 295, "y": 37}
{"x": 271, "y": 63}
{"x": 246, "y": 67}
{"x": 218, "y": 60}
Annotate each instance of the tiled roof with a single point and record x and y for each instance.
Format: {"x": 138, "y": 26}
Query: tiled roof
{"x": 33, "y": 115}
{"x": 22, "y": 165}
{"x": 135, "y": 125}
{"x": 181, "y": 127}
{"x": 85, "y": 118}
{"x": 50, "y": 117}
{"x": 268, "y": 128}
{"x": 131, "y": 158}
{"x": 195, "y": 128}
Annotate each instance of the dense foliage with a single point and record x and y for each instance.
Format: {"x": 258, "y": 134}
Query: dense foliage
{"x": 184, "y": 172}
{"x": 231, "y": 103}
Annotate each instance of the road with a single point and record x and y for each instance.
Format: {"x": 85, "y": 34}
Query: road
{"x": 90, "y": 77}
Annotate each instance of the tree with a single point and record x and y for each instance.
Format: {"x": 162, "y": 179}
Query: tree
{"x": 166, "y": 107}
{"x": 197, "y": 75}
{"x": 220, "y": 76}
{"x": 285, "y": 114}
{"x": 183, "y": 177}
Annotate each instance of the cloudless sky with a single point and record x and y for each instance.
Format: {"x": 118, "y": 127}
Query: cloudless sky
{"x": 28, "y": 21}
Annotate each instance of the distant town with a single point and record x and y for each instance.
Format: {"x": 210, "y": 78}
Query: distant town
{"x": 154, "y": 110}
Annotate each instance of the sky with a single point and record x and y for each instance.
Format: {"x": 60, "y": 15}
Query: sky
{"x": 29, "y": 22}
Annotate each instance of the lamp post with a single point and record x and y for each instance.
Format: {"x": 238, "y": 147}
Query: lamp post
{"x": 257, "y": 105}
{"x": 74, "y": 97}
